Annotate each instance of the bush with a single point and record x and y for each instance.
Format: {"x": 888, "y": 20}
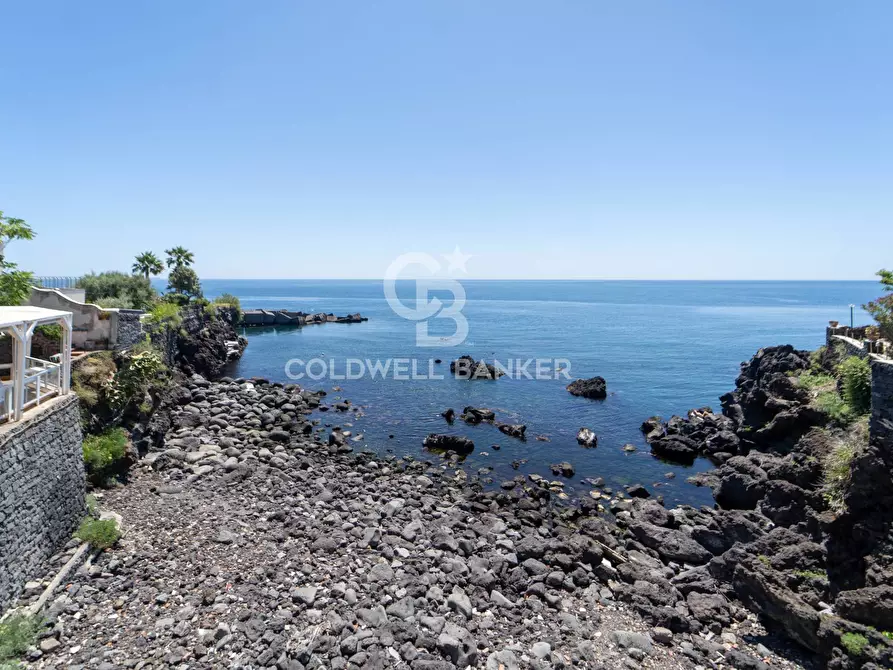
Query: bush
{"x": 835, "y": 407}
{"x": 165, "y": 312}
{"x": 17, "y": 633}
{"x": 101, "y": 534}
{"x": 102, "y": 453}
{"x": 130, "y": 291}
{"x": 855, "y": 376}
{"x": 854, "y": 643}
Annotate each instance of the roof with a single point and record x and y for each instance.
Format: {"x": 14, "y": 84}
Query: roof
{"x": 28, "y": 314}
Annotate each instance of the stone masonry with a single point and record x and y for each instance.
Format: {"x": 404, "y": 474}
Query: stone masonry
{"x": 881, "y": 424}
{"x": 42, "y": 490}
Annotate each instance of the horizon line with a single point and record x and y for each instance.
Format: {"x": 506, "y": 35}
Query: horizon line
{"x": 547, "y": 279}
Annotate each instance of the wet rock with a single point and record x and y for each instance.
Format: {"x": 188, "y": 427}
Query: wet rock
{"x": 596, "y": 388}
{"x": 587, "y": 438}
{"x": 457, "y": 443}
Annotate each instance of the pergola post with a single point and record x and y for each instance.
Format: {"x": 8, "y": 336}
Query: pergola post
{"x": 21, "y": 337}
{"x": 66, "y": 354}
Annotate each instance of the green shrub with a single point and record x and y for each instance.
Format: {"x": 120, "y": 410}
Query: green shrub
{"x": 164, "y": 312}
{"x": 835, "y": 407}
{"x": 855, "y": 375}
{"x": 102, "y": 453}
{"x": 816, "y": 357}
{"x": 17, "y": 633}
{"x": 131, "y": 291}
{"x": 854, "y": 643}
{"x": 100, "y": 534}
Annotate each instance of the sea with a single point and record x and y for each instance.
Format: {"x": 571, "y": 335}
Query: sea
{"x": 664, "y": 347}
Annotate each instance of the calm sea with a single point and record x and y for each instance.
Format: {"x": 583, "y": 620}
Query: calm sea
{"x": 664, "y": 347}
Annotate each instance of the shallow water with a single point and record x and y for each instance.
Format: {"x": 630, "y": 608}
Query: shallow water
{"x": 664, "y": 347}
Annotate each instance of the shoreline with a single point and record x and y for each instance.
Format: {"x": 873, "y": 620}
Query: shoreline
{"x": 618, "y": 582}
{"x": 422, "y": 560}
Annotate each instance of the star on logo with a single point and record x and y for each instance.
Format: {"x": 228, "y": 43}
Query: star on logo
{"x": 457, "y": 261}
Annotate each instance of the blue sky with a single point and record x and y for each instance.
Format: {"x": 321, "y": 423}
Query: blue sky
{"x": 634, "y": 139}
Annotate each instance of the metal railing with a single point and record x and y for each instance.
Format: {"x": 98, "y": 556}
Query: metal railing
{"x": 56, "y": 282}
{"x": 42, "y": 380}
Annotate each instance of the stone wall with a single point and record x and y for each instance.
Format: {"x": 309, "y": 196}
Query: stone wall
{"x": 881, "y": 422}
{"x": 127, "y": 328}
{"x": 42, "y": 489}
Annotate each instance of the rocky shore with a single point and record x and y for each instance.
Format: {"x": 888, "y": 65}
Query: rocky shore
{"x": 256, "y": 538}
{"x": 251, "y": 542}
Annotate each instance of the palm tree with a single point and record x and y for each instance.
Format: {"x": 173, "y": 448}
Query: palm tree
{"x": 147, "y": 264}
{"x": 179, "y": 257}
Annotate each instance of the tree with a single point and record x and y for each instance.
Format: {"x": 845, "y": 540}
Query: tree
{"x": 184, "y": 281}
{"x": 15, "y": 284}
{"x": 179, "y": 257}
{"x": 117, "y": 289}
{"x": 882, "y": 308}
{"x": 147, "y": 264}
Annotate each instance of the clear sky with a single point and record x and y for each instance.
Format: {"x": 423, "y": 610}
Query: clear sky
{"x": 549, "y": 139}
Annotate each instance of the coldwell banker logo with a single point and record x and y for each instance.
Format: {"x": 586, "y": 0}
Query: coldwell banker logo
{"x": 428, "y": 307}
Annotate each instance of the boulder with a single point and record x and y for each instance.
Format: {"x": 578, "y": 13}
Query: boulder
{"x": 587, "y": 438}
{"x": 465, "y": 367}
{"x": 672, "y": 545}
{"x": 596, "y": 388}
{"x": 441, "y": 442}
{"x": 512, "y": 430}
{"x": 675, "y": 448}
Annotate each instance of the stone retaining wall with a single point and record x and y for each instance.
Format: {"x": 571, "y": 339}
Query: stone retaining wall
{"x": 881, "y": 422}
{"x": 128, "y": 329}
{"x": 42, "y": 490}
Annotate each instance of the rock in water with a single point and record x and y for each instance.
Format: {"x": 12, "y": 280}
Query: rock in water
{"x": 587, "y": 438}
{"x": 596, "y": 388}
{"x": 478, "y": 414}
{"x": 513, "y": 430}
{"x": 675, "y": 448}
{"x": 564, "y": 469}
{"x": 457, "y": 443}
{"x": 465, "y": 367}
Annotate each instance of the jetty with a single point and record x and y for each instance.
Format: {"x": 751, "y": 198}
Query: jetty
{"x": 254, "y": 318}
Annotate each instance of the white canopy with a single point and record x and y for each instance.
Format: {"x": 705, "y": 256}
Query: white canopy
{"x": 13, "y": 315}
{"x": 32, "y": 379}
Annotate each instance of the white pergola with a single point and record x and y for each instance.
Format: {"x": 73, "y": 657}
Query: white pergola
{"x": 32, "y": 380}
